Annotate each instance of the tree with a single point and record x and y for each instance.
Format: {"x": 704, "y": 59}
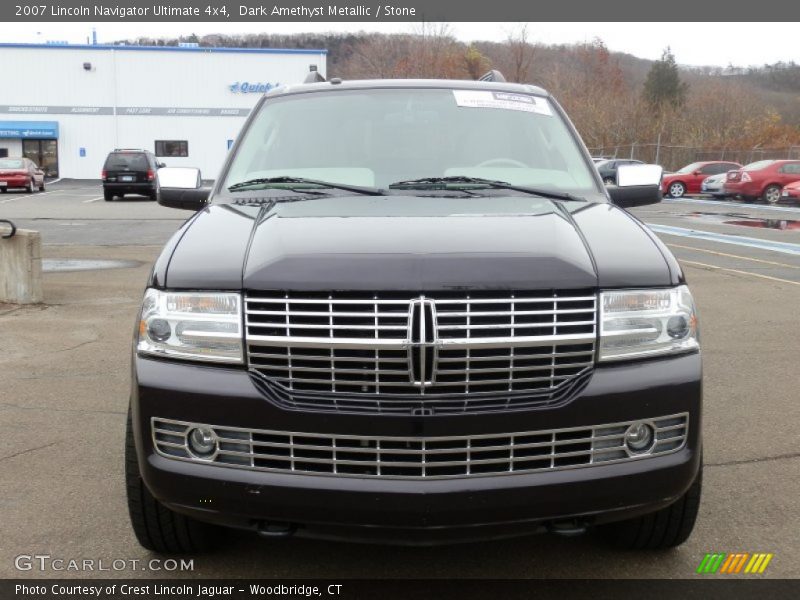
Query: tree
{"x": 663, "y": 86}
{"x": 521, "y": 55}
{"x": 475, "y": 63}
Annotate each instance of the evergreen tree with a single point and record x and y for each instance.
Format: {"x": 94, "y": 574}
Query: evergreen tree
{"x": 663, "y": 85}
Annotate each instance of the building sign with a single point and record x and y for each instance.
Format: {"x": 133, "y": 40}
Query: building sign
{"x": 251, "y": 88}
{"x": 29, "y": 129}
{"x": 181, "y": 111}
{"x": 57, "y": 110}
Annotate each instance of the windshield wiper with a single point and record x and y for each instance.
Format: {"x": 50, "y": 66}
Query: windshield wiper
{"x": 427, "y": 183}
{"x": 267, "y": 181}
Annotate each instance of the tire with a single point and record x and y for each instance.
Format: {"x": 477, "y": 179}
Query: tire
{"x": 676, "y": 189}
{"x": 3, "y": 190}
{"x": 108, "y": 196}
{"x": 156, "y": 527}
{"x": 772, "y": 194}
{"x": 29, "y": 187}
{"x": 666, "y": 528}
{"x": 42, "y": 187}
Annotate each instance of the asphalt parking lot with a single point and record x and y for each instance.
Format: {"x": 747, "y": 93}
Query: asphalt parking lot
{"x": 64, "y": 377}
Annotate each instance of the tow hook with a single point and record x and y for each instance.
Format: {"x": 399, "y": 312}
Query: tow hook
{"x": 570, "y": 528}
{"x": 275, "y": 529}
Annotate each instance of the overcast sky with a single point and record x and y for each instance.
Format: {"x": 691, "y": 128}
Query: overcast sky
{"x": 712, "y": 44}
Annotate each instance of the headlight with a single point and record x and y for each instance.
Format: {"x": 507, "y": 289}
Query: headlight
{"x": 641, "y": 323}
{"x": 191, "y": 325}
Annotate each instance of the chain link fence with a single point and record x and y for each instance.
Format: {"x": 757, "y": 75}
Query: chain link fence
{"x": 674, "y": 157}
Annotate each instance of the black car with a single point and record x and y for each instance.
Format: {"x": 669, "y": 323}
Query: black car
{"x": 410, "y": 311}
{"x": 130, "y": 172}
{"x": 608, "y": 168}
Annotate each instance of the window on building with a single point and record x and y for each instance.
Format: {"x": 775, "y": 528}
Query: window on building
{"x": 172, "y": 148}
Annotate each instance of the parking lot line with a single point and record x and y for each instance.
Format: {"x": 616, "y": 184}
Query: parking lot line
{"x": 33, "y": 195}
{"x": 695, "y": 263}
{"x": 714, "y": 252}
{"x": 91, "y": 200}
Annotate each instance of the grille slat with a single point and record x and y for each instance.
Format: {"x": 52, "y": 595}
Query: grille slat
{"x": 359, "y": 352}
{"x": 420, "y": 457}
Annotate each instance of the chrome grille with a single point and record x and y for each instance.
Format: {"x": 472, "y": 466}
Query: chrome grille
{"x": 442, "y": 352}
{"x": 419, "y": 457}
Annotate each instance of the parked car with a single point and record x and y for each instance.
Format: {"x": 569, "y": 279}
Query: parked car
{"x": 763, "y": 179}
{"x": 332, "y": 345}
{"x": 689, "y": 179}
{"x": 608, "y": 168}
{"x": 715, "y": 185}
{"x": 791, "y": 191}
{"x": 20, "y": 173}
{"x": 130, "y": 172}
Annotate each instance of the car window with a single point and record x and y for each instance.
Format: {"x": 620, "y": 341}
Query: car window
{"x": 791, "y": 168}
{"x": 127, "y": 161}
{"x": 378, "y": 137}
{"x": 710, "y": 169}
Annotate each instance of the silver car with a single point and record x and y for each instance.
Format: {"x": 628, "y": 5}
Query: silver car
{"x": 714, "y": 185}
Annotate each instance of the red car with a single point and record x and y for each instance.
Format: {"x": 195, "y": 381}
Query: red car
{"x": 689, "y": 179}
{"x": 763, "y": 179}
{"x": 791, "y": 192}
{"x": 20, "y": 173}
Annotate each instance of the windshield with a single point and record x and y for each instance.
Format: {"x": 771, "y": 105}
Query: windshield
{"x": 755, "y": 166}
{"x": 128, "y": 161}
{"x": 378, "y": 137}
{"x": 11, "y": 163}
{"x": 690, "y": 168}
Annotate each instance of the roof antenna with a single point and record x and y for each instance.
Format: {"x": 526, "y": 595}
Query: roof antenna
{"x": 313, "y": 76}
{"x": 493, "y": 75}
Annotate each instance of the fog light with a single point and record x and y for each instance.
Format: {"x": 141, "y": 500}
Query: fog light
{"x": 639, "y": 437}
{"x": 159, "y": 330}
{"x": 678, "y": 327}
{"x": 202, "y": 442}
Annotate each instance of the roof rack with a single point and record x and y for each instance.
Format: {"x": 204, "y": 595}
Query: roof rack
{"x": 493, "y": 75}
{"x": 313, "y": 76}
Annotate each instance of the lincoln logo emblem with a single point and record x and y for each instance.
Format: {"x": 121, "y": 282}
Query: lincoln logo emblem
{"x": 423, "y": 348}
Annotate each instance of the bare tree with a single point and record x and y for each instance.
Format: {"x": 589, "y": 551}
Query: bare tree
{"x": 521, "y": 54}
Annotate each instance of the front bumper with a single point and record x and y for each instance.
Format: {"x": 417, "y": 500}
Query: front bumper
{"x": 417, "y": 511}
{"x": 715, "y": 189}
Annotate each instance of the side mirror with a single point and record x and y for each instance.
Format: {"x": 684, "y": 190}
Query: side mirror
{"x": 161, "y": 165}
{"x": 637, "y": 185}
{"x": 181, "y": 187}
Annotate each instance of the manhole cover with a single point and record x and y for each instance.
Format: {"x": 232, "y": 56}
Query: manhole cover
{"x": 80, "y": 264}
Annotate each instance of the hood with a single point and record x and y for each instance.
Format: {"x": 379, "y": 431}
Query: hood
{"x": 417, "y": 244}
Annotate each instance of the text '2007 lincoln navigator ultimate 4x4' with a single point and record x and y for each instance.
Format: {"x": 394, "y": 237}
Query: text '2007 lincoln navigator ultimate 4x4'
{"x": 410, "y": 311}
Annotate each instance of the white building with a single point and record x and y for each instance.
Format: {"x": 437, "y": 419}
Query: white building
{"x": 67, "y": 106}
